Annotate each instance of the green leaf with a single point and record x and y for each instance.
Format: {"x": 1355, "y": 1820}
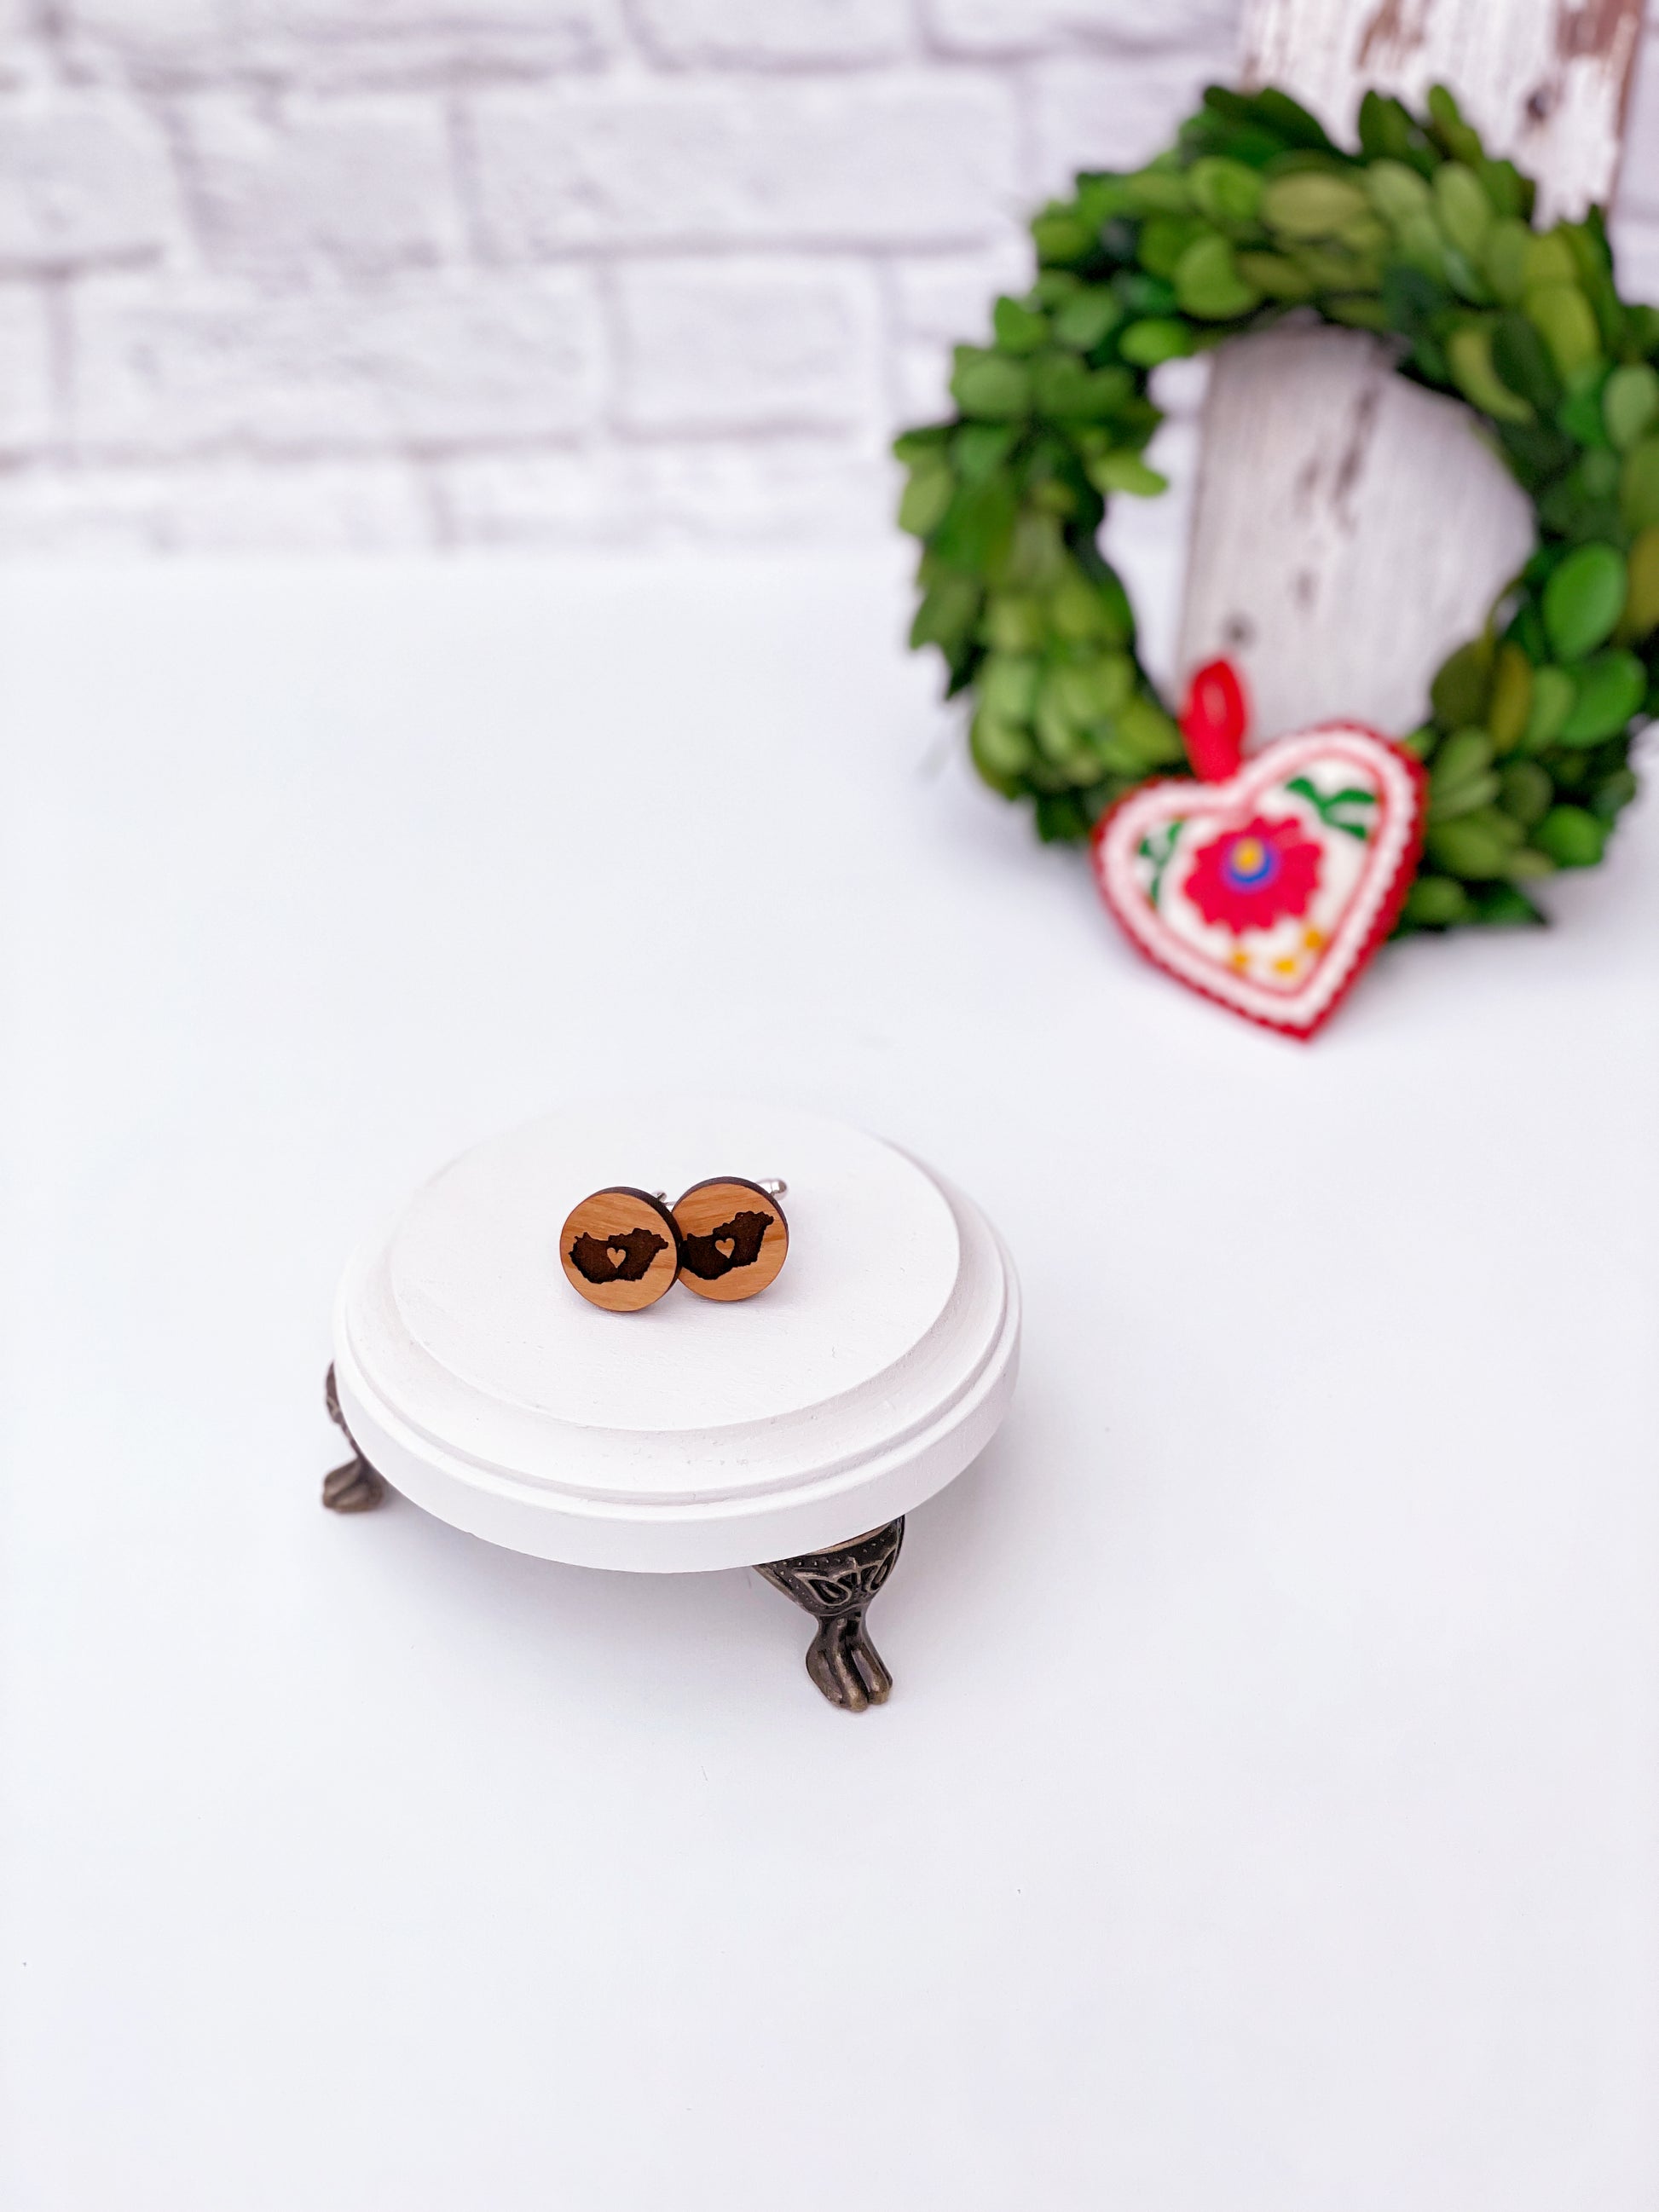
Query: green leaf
{"x": 1017, "y": 329}
{"x": 1469, "y": 351}
{"x": 1511, "y": 697}
{"x": 1435, "y": 902}
{"x": 1504, "y": 260}
{"x": 1526, "y": 860}
{"x": 1142, "y": 295}
{"x": 1311, "y": 204}
{"x": 1638, "y": 485}
{"x": 1084, "y": 612}
{"x": 1572, "y": 838}
{"x": 989, "y": 386}
{"x": 1062, "y": 818}
{"x": 1641, "y": 613}
{"x": 1397, "y": 192}
{"x": 1461, "y": 686}
{"x": 1276, "y": 275}
{"x": 1536, "y": 452}
{"x": 1361, "y": 311}
{"x": 1464, "y": 212}
{"x": 1149, "y": 734}
{"x": 1155, "y": 340}
{"x": 1124, "y": 471}
{"x": 1287, "y": 118}
{"x": 1062, "y": 237}
{"x": 929, "y": 444}
{"x": 1564, "y": 320}
{"x": 1525, "y": 791}
{"x": 1014, "y": 623}
{"x": 1084, "y": 320}
{"x": 1114, "y": 602}
{"x": 1614, "y": 794}
{"x": 1094, "y": 690}
{"x": 1388, "y": 130}
{"x": 1611, "y": 688}
{"x": 1000, "y": 750}
{"x": 1583, "y": 599}
{"x": 978, "y": 449}
{"x": 947, "y": 614}
{"x": 925, "y": 499}
{"x": 1227, "y": 191}
{"x": 1449, "y": 801}
{"x": 1502, "y": 905}
{"x": 1008, "y": 685}
{"x": 1553, "y": 692}
{"x": 1465, "y": 753}
{"x": 1037, "y": 559}
{"x": 1061, "y": 740}
{"x": 1550, "y": 259}
{"x": 1511, "y": 194}
{"x": 1165, "y": 238}
{"x": 1518, "y": 355}
{"x": 1063, "y": 388}
{"x": 1446, "y": 121}
{"x": 1208, "y": 282}
{"x": 1630, "y": 402}
{"x": 976, "y": 532}
{"x": 1471, "y": 849}
{"x": 1155, "y": 191}
{"x": 1466, "y": 278}
{"x": 1580, "y": 412}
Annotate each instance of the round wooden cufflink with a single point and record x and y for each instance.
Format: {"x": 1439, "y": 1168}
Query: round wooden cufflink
{"x": 620, "y": 1248}
{"x": 733, "y": 1237}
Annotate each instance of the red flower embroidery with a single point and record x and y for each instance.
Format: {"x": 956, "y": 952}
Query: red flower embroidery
{"x": 1249, "y": 878}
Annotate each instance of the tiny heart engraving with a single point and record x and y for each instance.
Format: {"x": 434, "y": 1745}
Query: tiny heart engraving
{"x": 725, "y": 1246}
{"x": 1268, "y": 891}
{"x": 617, "y": 1254}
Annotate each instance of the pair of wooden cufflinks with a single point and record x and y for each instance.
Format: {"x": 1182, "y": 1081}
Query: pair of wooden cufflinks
{"x": 727, "y": 1238}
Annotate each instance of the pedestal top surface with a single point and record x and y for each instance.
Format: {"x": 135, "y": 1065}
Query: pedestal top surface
{"x": 475, "y": 1275}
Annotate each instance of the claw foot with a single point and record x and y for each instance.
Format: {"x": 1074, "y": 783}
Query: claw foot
{"x": 837, "y": 1587}
{"x": 354, "y": 1487}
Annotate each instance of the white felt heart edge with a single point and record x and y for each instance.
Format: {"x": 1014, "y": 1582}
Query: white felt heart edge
{"x": 1389, "y": 867}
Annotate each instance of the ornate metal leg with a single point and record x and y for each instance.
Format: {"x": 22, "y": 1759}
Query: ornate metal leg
{"x": 354, "y": 1487}
{"x": 836, "y": 1586}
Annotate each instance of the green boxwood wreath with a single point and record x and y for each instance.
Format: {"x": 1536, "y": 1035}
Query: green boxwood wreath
{"x": 1253, "y": 215}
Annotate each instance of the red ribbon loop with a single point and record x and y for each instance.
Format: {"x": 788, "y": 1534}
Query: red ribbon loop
{"x": 1213, "y": 721}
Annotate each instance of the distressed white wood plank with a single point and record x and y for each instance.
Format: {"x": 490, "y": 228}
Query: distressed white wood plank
{"x": 1347, "y": 530}
{"x": 1336, "y": 576}
{"x": 1542, "y": 80}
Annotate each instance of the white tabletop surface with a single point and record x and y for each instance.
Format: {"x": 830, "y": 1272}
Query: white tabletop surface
{"x": 1266, "y": 1818}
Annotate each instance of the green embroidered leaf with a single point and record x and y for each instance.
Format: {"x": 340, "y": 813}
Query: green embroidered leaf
{"x": 1337, "y": 809}
{"x": 1159, "y": 848}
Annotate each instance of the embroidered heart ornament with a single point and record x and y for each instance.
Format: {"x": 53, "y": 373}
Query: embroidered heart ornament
{"x": 1268, "y": 891}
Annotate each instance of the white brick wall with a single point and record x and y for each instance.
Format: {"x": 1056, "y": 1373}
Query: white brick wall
{"x": 457, "y": 273}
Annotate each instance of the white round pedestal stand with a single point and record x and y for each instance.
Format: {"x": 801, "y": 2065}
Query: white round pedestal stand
{"x": 792, "y": 1430}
